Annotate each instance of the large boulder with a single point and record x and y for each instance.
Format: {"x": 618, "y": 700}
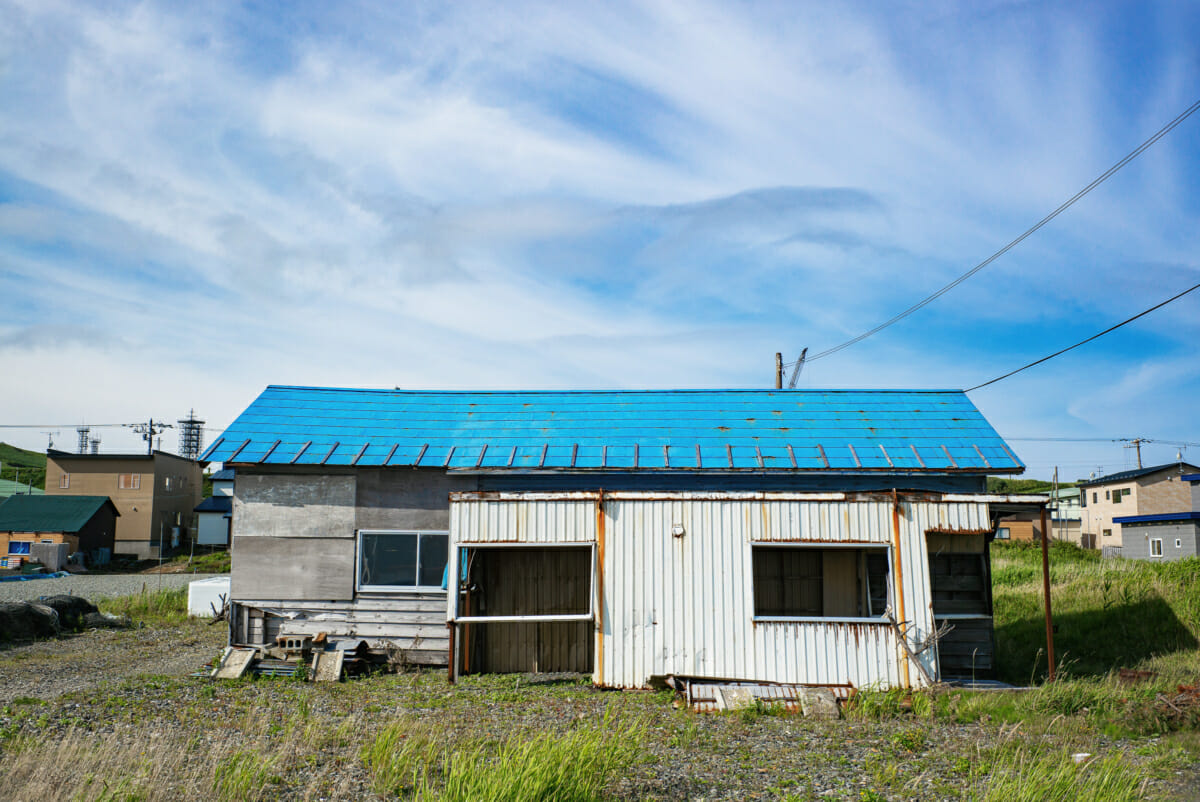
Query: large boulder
{"x": 71, "y": 610}
{"x": 27, "y": 621}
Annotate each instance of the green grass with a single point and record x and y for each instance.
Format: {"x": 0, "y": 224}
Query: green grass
{"x": 165, "y": 608}
{"x": 216, "y": 562}
{"x": 17, "y": 461}
{"x": 1110, "y": 614}
{"x": 572, "y": 766}
{"x": 1021, "y": 771}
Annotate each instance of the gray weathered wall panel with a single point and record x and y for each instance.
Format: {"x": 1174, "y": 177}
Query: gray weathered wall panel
{"x": 407, "y": 498}
{"x": 268, "y": 505}
{"x": 294, "y": 568}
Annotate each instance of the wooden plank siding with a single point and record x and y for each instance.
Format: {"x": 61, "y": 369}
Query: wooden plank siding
{"x": 414, "y": 622}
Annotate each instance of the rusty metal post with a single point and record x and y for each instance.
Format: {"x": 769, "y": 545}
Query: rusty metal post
{"x": 778, "y": 371}
{"x": 450, "y": 666}
{"x": 1046, "y": 593}
{"x": 898, "y": 565}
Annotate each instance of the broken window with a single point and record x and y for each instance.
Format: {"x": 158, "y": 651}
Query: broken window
{"x": 390, "y": 560}
{"x": 820, "y": 582}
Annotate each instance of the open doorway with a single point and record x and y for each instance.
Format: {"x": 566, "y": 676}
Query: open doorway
{"x": 527, "y": 609}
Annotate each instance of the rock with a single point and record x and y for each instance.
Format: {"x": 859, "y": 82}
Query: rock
{"x": 27, "y": 621}
{"x": 71, "y": 610}
{"x": 818, "y": 703}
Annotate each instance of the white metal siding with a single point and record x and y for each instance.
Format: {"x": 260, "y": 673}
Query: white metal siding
{"x": 685, "y": 605}
{"x": 538, "y": 521}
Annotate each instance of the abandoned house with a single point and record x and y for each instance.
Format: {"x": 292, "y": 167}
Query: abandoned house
{"x": 806, "y": 536}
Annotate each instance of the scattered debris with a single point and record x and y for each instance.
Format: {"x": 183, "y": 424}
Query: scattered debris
{"x": 1130, "y": 676}
{"x": 1081, "y": 757}
{"x": 709, "y": 695}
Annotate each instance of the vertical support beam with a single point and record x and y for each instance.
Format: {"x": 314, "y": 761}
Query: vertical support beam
{"x": 598, "y": 676}
{"x": 1046, "y": 594}
{"x": 452, "y": 573}
{"x": 898, "y": 565}
{"x": 778, "y": 371}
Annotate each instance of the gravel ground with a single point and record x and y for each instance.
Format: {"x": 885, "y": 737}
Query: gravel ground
{"x": 94, "y": 586}
{"x": 47, "y": 669}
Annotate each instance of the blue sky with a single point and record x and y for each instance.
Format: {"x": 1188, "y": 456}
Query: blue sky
{"x": 197, "y": 200}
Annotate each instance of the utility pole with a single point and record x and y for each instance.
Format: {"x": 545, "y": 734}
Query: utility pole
{"x": 778, "y": 371}
{"x": 149, "y": 431}
{"x": 1136, "y": 445}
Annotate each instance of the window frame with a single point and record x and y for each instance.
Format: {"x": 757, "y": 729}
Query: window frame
{"x": 593, "y": 581}
{"x": 1007, "y": 533}
{"x": 28, "y": 548}
{"x": 64, "y": 481}
{"x": 822, "y": 545}
{"x": 1156, "y": 541}
{"x": 359, "y": 587}
{"x": 135, "y": 481}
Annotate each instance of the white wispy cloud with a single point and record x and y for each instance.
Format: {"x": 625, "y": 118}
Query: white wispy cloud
{"x": 647, "y": 194}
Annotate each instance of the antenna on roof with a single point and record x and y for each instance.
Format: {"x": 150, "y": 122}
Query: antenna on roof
{"x": 50, "y": 437}
{"x": 799, "y": 366}
{"x": 82, "y": 431}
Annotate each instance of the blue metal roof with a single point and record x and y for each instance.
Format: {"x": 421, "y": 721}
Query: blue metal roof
{"x": 1162, "y": 516}
{"x": 713, "y": 430}
{"x": 1191, "y": 477}
{"x": 215, "y": 504}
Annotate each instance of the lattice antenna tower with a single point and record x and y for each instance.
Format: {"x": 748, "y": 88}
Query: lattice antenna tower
{"x": 95, "y": 443}
{"x": 191, "y": 433}
{"x": 83, "y": 432}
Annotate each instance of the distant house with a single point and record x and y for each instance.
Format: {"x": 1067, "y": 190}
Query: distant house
{"x": 1143, "y": 491}
{"x": 808, "y": 536}
{"x": 1066, "y": 516}
{"x": 1165, "y": 536}
{"x": 214, "y": 515}
{"x": 10, "y": 488}
{"x": 154, "y": 493}
{"x": 84, "y": 523}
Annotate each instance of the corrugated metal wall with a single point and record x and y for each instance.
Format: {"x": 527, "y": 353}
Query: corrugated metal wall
{"x": 535, "y": 521}
{"x": 685, "y": 604}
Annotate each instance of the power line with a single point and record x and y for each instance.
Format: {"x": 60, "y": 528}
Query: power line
{"x": 1088, "y": 340}
{"x": 1066, "y": 205}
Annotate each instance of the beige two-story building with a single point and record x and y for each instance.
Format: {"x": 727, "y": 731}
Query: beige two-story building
{"x": 154, "y": 494}
{"x": 1143, "y": 491}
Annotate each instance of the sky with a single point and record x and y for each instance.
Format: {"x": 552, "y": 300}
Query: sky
{"x": 201, "y": 199}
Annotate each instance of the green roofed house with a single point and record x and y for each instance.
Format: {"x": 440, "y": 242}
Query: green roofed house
{"x": 84, "y": 523}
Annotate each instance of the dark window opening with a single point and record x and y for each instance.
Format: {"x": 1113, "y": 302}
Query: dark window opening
{"x": 402, "y": 559}
{"x": 814, "y": 582}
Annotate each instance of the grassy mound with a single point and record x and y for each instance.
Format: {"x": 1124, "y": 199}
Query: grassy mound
{"x": 1110, "y": 614}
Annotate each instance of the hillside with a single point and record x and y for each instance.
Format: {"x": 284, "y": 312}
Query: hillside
{"x": 15, "y": 460}
{"x": 1110, "y": 614}
{"x": 997, "y": 484}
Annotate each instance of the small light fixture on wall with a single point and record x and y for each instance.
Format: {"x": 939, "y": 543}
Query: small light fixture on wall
{"x": 677, "y": 530}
